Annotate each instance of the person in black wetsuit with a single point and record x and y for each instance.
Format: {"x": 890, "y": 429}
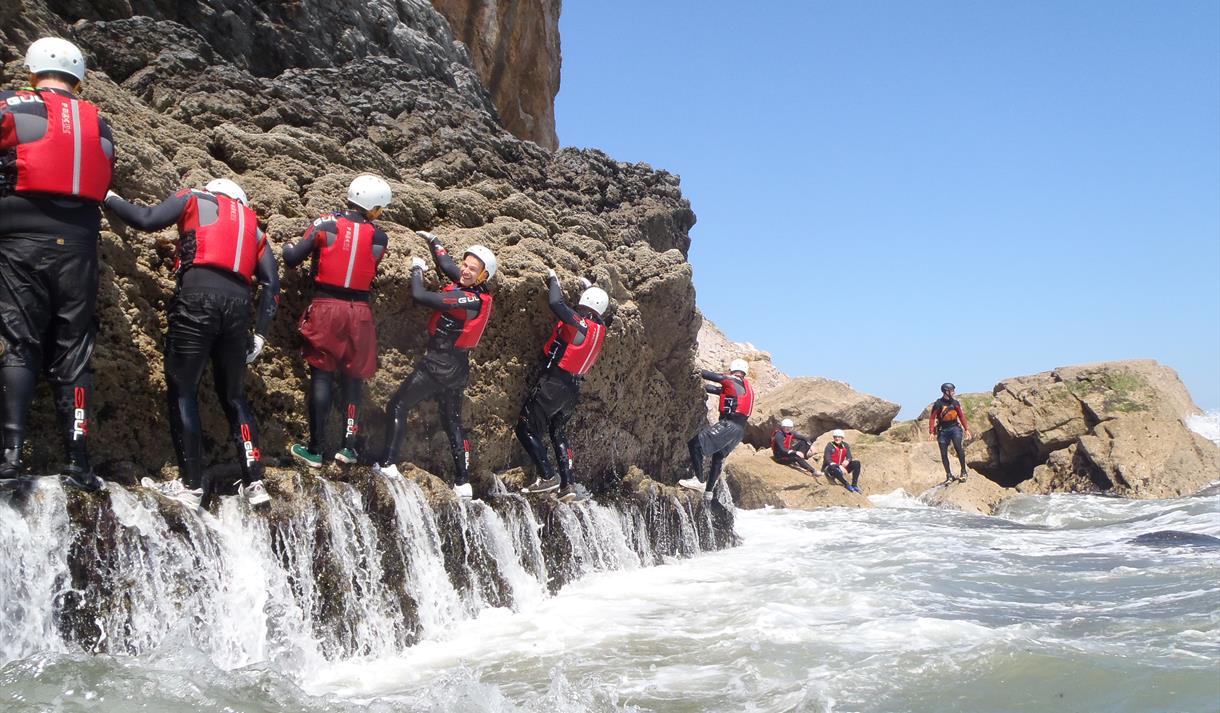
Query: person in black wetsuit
{"x": 56, "y": 162}
{"x": 791, "y": 448}
{"x": 568, "y": 355}
{"x": 720, "y": 438}
{"x": 947, "y": 423}
{"x": 221, "y": 254}
{"x": 462, "y": 310}
{"x": 838, "y": 462}
{"x": 340, "y": 336}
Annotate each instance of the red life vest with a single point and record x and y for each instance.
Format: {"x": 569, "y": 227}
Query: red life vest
{"x": 232, "y": 242}
{"x": 787, "y": 439}
{"x": 68, "y": 160}
{"x": 731, "y": 401}
{"x": 471, "y": 329}
{"x": 577, "y": 359}
{"x": 348, "y": 262}
{"x": 838, "y": 454}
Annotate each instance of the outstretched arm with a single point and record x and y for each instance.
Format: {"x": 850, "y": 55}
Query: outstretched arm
{"x": 268, "y": 273}
{"x": 558, "y": 305}
{"x": 444, "y": 262}
{"x": 316, "y": 234}
{"x": 156, "y": 217}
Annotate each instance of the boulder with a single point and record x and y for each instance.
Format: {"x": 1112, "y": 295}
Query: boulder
{"x": 977, "y": 495}
{"x": 757, "y": 481}
{"x": 817, "y": 405}
{"x": 888, "y": 462}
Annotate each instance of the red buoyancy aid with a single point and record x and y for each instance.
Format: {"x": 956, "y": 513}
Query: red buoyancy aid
{"x": 731, "y": 401}
{"x": 577, "y": 359}
{"x": 231, "y": 243}
{"x": 788, "y": 437}
{"x": 68, "y": 160}
{"x": 472, "y": 329}
{"x": 348, "y": 262}
{"x": 838, "y": 454}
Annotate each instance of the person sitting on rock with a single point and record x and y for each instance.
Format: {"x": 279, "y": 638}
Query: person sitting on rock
{"x": 220, "y": 256}
{"x": 720, "y": 438}
{"x": 462, "y": 310}
{"x": 947, "y": 423}
{"x": 568, "y": 355}
{"x": 791, "y": 448}
{"x": 837, "y": 461}
{"x": 340, "y": 336}
{"x": 56, "y": 162}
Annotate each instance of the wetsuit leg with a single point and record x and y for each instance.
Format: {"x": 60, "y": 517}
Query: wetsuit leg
{"x": 321, "y": 397}
{"x": 228, "y": 372}
{"x": 18, "y": 383}
{"x": 418, "y": 387}
{"x": 961, "y": 451}
{"x": 835, "y": 472}
{"x": 563, "y": 449}
{"x": 942, "y": 439}
{"x": 854, "y": 469}
{"x": 188, "y": 344}
{"x": 72, "y": 411}
{"x": 725, "y": 436}
{"x": 530, "y": 424}
{"x": 350, "y": 390}
{"x": 449, "y": 403}
{"x": 696, "y": 455}
{"x": 804, "y": 465}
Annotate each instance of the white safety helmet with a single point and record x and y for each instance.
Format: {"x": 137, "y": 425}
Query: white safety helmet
{"x": 739, "y": 365}
{"x": 369, "y": 192}
{"x": 226, "y": 187}
{"x": 787, "y": 423}
{"x": 486, "y": 256}
{"x": 596, "y": 299}
{"x": 52, "y": 54}
{"x": 837, "y": 433}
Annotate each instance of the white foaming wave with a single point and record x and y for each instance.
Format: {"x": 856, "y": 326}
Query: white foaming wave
{"x": 1206, "y": 425}
{"x": 899, "y": 498}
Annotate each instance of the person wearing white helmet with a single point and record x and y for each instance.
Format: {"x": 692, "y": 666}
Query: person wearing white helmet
{"x": 837, "y": 461}
{"x": 340, "y": 337}
{"x": 56, "y": 163}
{"x": 461, "y": 311}
{"x": 947, "y": 424}
{"x": 569, "y": 354}
{"x": 791, "y": 448}
{"x": 221, "y": 257}
{"x": 720, "y": 438}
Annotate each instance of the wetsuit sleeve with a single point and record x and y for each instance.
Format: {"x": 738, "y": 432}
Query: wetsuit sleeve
{"x": 800, "y": 437}
{"x": 381, "y": 244}
{"x": 850, "y": 457}
{"x": 777, "y": 444}
{"x": 933, "y": 417}
{"x": 107, "y": 139}
{"x": 561, "y": 308}
{"x": 421, "y": 294}
{"x": 296, "y": 253}
{"x": 961, "y": 415}
{"x": 268, "y": 273}
{"x": 712, "y": 376}
{"x": 149, "y": 218}
{"x": 828, "y": 454}
{"x": 712, "y": 388}
{"x": 444, "y": 261}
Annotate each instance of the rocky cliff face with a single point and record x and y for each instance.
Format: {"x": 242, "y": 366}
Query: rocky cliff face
{"x": 515, "y": 49}
{"x": 293, "y": 100}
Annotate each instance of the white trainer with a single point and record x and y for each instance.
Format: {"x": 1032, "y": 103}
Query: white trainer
{"x": 389, "y": 471}
{"x": 692, "y": 484}
{"x": 256, "y": 493}
{"x": 464, "y": 491}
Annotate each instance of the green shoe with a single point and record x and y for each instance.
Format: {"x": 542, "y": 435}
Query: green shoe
{"x": 346, "y": 456}
{"x": 302, "y": 453}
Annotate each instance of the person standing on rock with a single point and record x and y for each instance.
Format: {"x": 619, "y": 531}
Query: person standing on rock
{"x": 338, "y": 329}
{"x": 461, "y": 312}
{"x": 837, "y": 461}
{"x": 568, "y": 355}
{"x": 220, "y": 255}
{"x": 791, "y": 448}
{"x": 56, "y": 161}
{"x": 947, "y": 423}
{"x": 720, "y": 438}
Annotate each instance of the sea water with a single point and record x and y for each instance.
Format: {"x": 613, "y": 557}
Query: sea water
{"x": 1072, "y": 603}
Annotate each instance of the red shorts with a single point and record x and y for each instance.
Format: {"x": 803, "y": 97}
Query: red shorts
{"x": 340, "y": 336}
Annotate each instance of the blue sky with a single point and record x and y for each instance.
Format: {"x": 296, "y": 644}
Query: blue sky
{"x": 897, "y": 194}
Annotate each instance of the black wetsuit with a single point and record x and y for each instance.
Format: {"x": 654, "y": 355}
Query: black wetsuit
{"x": 792, "y": 449}
{"x": 948, "y": 420}
{"x": 444, "y": 368}
{"x": 552, "y": 400}
{"x": 209, "y": 317}
{"x": 323, "y": 232}
{"x": 837, "y": 471}
{"x": 48, "y": 287}
{"x": 720, "y": 438}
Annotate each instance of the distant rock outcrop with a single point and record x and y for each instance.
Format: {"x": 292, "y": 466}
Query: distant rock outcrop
{"x": 816, "y": 406}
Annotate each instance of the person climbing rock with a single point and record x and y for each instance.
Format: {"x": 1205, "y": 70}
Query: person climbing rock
{"x": 838, "y": 462}
{"x": 56, "y": 161}
{"x": 568, "y": 355}
{"x": 720, "y": 438}
{"x": 340, "y": 336}
{"x": 461, "y": 312}
{"x": 791, "y": 448}
{"x": 220, "y": 256}
{"x": 947, "y": 423}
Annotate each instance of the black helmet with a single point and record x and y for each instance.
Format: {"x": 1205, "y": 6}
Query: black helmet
{"x": 947, "y": 387}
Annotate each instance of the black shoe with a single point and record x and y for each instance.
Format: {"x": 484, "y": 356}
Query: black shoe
{"x": 572, "y": 494}
{"x": 83, "y": 479}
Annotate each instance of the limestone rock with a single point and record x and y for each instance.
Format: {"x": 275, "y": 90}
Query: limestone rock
{"x": 817, "y": 405}
{"x": 977, "y": 495}
{"x": 515, "y": 48}
{"x": 889, "y": 463}
{"x": 756, "y": 481}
